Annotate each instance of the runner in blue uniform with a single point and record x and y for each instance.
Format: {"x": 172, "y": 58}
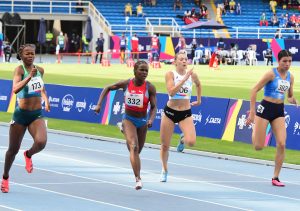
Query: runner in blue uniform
{"x": 276, "y": 83}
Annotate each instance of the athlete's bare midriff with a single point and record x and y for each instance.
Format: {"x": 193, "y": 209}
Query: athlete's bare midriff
{"x": 30, "y": 104}
{"x": 179, "y": 105}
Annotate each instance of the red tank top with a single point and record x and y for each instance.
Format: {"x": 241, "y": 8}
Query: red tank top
{"x": 136, "y": 98}
{"x": 154, "y": 42}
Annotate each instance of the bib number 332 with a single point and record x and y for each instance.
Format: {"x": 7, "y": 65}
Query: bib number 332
{"x": 134, "y": 100}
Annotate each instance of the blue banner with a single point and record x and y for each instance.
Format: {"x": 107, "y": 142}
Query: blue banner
{"x": 5, "y": 93}
{"x": 73, "y": 103}
{"x": 217, "y": 118}
{"x": 292, "y": 124}
{"x": 209, "y": 117}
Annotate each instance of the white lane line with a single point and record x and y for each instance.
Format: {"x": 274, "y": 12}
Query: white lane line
{"x": 73, "y": 196}
{"x": 10, "y": 208}
{"x": 122, "y": 185}
{"x": 180, "y": 178}
{"x": 154, "y": 160}
{"x": 177, "y": 164}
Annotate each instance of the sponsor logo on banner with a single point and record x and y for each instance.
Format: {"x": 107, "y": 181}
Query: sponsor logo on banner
{"x": 287, "y": 119}
{"x": 116, "y": 108}
{"x": 293, "y": 50}
{"x": 212, "y": 120}
{"x": 242, "y": 122}
{"x": 159, "y": 113}
{"x": 123, "y": 108}
{"x": 297, "y": 129}
{"x": 53, "y": 101}
{"x": 67, "y": 102}
{"x": 3, "y": 98}
{"x": 92, "y": 107}
{"x": 197, "y": 118}
{"x": 80, "y": 105}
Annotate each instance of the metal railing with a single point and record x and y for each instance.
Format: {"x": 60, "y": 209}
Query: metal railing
{"x": 31, "y": 5}
{"x": 50, "y": 7}
{"x": 235, "y": 32}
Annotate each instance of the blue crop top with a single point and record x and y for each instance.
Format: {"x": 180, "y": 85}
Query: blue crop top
{"x": 278, "y": 87}
{"x": 33, "y": 87}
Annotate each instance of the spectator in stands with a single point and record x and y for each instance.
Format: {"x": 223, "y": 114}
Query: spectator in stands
{"x": 128, "y": 9}
{"x": 99, "y": 48}
{"x": 139, "y": 10}
{"x": 273, "y": 5}
{"x": 274, "y": 20}
{"x": 219, "y": 14}
{"x": 153, "y": 2}
{"x": 263, "y": 20}
{"x": 232, "y": 6}
{"x": 187, "y": 14}
{"x": 177, "y": 3}
{"x": 193, "y": 13}
{"x": 238, "y": 9}
{"x": 283, "y": 21}
{"x": 135, "y": 47}
{"x": 203, "y": 11}
{"x": 147, "y": 2}
{"x": 278, "y": 34}
{"x": 198, "y": 2}
{"x": 226, "y": 7}
{"x": 284, "y": 4}
{"x": 293, "y": 20}
{"x": 123, "y": 44}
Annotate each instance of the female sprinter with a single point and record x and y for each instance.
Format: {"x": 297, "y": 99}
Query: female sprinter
{"x": 276, "y": 83}
{"x": 138, "y": 93}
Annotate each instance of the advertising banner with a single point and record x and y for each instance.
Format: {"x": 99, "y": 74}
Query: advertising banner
{"x": 292, "y": 124}
{"x": 5, "y": 94}
{"x": 73, "y": 103}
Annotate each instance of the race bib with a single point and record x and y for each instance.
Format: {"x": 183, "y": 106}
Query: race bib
{"x": 134, "y": 100}
{"x": 36, "y": 84}
{"x": 184, "y": 90}
{"x": 260, "y": 109}
{"x": 283, "y": 86}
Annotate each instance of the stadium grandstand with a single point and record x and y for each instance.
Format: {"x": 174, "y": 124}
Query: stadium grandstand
{"x": 240, "y": 20}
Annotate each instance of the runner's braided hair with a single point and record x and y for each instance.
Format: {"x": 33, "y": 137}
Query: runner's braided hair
{"x": 21, "y": 48}
{"x": 138, "y": 63}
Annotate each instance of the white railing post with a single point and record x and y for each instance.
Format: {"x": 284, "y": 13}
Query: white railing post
{"x": 50, "y": 7}
{"x": 12, "y": 6}
{"x": 70, "y": 7}
{"x": 258, "y": 31}
{"x": 31, "y": 7}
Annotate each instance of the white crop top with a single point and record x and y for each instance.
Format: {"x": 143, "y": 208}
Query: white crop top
{"x": 185, "y": 90}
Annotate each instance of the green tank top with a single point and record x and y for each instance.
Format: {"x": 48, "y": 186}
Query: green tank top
{"x": 33, "y": 87}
